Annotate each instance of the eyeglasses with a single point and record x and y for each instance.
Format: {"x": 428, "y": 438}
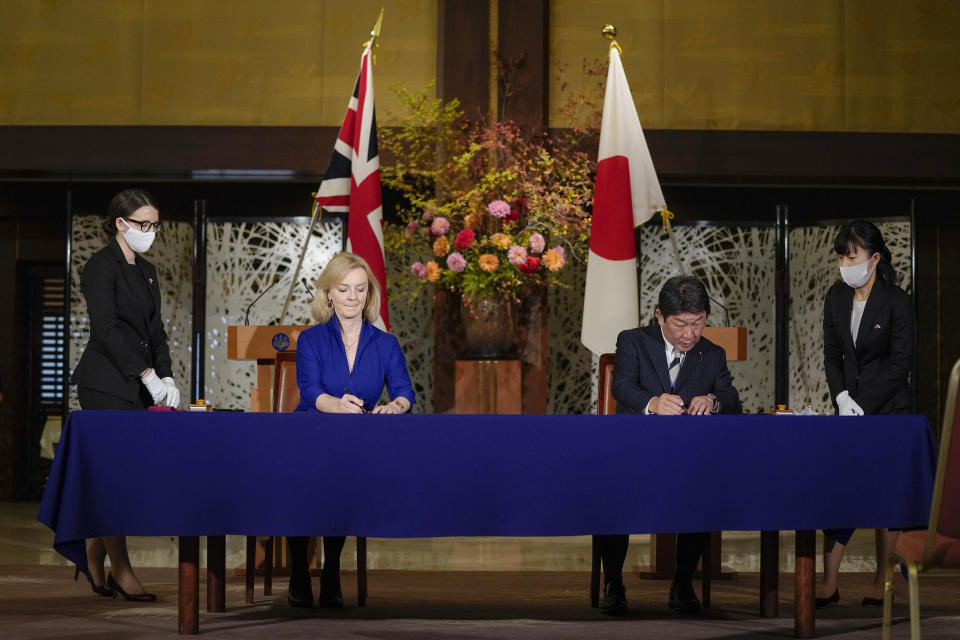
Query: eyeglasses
{"x": 146, "y": 225}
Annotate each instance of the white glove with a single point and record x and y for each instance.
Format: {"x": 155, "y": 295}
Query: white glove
{"x": 173, "y": 394}
{"x": 847, "y": 405}
{"x": 158, "y": 390}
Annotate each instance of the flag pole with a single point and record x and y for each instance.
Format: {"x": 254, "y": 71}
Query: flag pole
{"x": 306, "y": 243}
{"x": 315, "y": 215}
{"x": 609, "y": 32}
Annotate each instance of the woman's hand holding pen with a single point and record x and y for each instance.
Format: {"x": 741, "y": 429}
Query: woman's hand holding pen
{"x": 350, "y": 403}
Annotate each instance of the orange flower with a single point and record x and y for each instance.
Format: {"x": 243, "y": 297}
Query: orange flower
{"x": 441, "y": 247}
{"x": 433, "y": 271}
{"x": 488, "y": 262}
{"x": 473, "y": 220}
{"x": 553, "y": 260}
{"x": 500, "y": 240}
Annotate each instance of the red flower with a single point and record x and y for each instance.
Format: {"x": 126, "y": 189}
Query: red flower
{"x": 464, "y": 239}
{"x": 530, "y": 265}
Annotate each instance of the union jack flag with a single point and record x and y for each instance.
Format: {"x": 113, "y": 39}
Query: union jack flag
{"x": 352, "y": 181}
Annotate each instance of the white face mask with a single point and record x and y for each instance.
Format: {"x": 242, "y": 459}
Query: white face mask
{"x": 139, "y": 241}
{"x": 857, "y": 275}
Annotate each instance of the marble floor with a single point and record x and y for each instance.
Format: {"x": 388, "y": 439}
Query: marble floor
{"x": 23, "y": 540}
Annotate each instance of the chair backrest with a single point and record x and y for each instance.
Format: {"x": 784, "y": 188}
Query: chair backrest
{"x": 606, "y": 404}
{"x": 945, "y": 510}
{"x": 286, "y": 393}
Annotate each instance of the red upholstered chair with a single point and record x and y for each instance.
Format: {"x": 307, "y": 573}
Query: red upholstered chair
{"x": 607, "y": 406}
{"x": 286, "y": 397}
{"x": 939, "y": 544}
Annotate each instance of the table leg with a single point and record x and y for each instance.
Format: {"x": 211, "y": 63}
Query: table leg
{"x": 189, "y": 586}
{"x": 769, "y": 574}
{"x": 216, "y": 573}
{"x": 250, "y": 573}
{"x": 804, "y": 604}
{"x": 268, "y": 561}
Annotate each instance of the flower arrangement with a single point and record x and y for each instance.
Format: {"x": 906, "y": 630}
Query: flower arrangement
{"x": 489, "y": 209}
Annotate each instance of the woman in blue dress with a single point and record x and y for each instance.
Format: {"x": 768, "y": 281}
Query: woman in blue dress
{"x": 343, "y": 364}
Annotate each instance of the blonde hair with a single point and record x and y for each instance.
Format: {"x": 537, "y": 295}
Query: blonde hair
{"x": 331, "y": 276}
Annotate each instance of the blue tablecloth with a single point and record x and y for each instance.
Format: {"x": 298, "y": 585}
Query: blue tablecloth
{"x": 160, "y": 473}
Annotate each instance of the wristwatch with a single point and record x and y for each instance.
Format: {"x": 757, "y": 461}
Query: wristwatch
{"x": 716, "y": 403}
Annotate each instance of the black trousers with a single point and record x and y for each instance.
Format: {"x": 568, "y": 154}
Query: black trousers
{"x": 93, "y": 399}
{"x": 299, "y": 563}
{"x": 613, "y": 553}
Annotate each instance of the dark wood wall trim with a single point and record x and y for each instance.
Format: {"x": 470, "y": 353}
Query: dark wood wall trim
{"x": 736, "y": 157}
{"x": 162, "y": 151}
{"x": 524, "y": 42}
{"x": 806, "y": 156}
{"x": 463, "y": 33}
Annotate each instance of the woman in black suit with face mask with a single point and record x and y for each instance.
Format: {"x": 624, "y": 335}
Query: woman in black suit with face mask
{"x": 868, "y": 354}
{"x": 126, "y": 363}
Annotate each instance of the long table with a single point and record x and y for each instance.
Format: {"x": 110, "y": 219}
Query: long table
{"x": 261, "y": 474}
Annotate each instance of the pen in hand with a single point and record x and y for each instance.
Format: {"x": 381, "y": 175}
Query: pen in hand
{"x": 363, "y": 407}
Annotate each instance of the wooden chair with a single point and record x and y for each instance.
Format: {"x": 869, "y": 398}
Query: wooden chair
{"x": 607, "y": 406}
{"x": 286, "y": 397}
{"x": 939, "y": 544}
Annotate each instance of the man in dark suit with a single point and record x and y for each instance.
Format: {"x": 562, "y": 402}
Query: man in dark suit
{"x": 668, "y": 369}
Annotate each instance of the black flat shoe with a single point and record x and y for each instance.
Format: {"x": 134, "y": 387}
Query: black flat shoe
{"x": 614, "y": 599}
{"x": 683, "y": 599}
{"x": 331, "y": 596}
{"x": 99, "y": 589}
{"x": 300, "y": 594}
{"x": 831, "y": 599}
{"x": 871, "y": 602}
{"x": 130, "y": 597}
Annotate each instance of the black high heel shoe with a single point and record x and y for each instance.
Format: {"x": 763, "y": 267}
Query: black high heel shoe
{"x": 831, "y": 599}
{"x": 99, "y": 589}
{"x": 130, "y": 597}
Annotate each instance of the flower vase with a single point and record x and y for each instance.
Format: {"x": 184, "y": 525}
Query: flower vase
{"x": 488, "y": 325}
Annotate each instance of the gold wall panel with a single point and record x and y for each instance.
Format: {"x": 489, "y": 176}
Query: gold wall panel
{"x": 204, "y": 62}
{"x": 816, "y": 65}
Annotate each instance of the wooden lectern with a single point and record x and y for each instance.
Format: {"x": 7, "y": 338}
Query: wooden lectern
{"x": 261, "y": 343}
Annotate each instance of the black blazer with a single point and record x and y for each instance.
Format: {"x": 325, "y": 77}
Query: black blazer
{"x": 876, "y": 370}
{"x": 640, "y": 372}
{"x": 125, "y": 339}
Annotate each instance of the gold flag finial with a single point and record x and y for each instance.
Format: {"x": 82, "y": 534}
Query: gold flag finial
{"x": 375, "y": 33}
{"x": 609, "y": 32}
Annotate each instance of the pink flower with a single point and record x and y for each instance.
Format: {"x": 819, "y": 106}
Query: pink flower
{"x": 517, "y": 255}
{"x": 412, "y": 226}
{"x": 418, "y": 270}
{"x": 464, "y": 239}
{"x": 498, "y": 209}
{"x": 439, "y": 226}
{"x": 537, "y": 243}
{"x": 562, "y": 253}
{"x": 456, "y": 262}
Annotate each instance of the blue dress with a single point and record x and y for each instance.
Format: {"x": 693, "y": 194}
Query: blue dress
{"x": 322, "y": 366}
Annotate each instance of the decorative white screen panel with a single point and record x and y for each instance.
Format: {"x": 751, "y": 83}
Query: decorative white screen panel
{"x": 411, "y": 321}
{"x": 571, "y": 376}
{"x": 243, "y": 258}
{"x": 737, "y": 264}
{"x": 172, "y": 255}
{"x": 813, "y": 270}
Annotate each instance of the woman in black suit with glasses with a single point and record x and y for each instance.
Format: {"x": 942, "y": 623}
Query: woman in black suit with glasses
{"x": 868, "y": 354}
{"x": 126, "y": 364}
